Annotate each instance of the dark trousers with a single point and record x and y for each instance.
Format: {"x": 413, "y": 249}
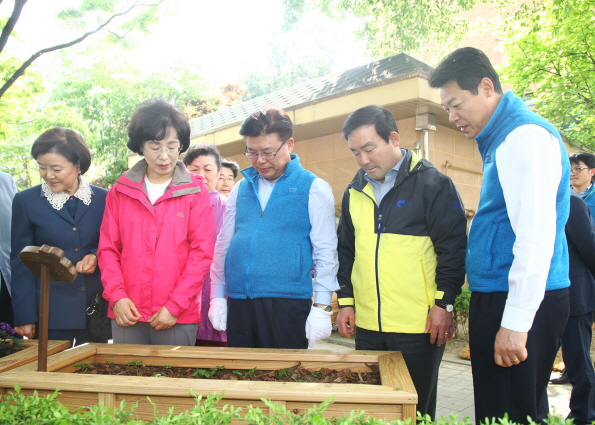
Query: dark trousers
{"x": 267, "y": 322}
{"x": 520, "y": 390}
{"x": 5, "y": 304}
{"x": 576, "y": 346}
{"x": 422, "y": 360}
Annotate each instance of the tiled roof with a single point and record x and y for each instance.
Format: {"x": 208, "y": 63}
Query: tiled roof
{"x": 383, "y": 71}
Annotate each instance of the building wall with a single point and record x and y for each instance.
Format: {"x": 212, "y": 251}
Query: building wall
{"x": 330, "y": 159}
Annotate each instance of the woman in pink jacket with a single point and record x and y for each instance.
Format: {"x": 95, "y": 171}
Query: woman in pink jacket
{"x": 156, "y": 238}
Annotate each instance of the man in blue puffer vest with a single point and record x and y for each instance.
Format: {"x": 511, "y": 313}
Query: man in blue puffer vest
{"x": 278, "y": 230}
{"x": 517, "y": 256}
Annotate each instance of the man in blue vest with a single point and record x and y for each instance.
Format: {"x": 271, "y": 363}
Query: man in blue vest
{"x": 517, "y": 256}
{"x": 278, "y": 232}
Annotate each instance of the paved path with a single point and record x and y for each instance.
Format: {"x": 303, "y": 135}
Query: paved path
{"x": 455, "y": 384}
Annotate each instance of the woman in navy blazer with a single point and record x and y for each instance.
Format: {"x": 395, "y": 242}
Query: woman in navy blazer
{"x": 64, "y": 211}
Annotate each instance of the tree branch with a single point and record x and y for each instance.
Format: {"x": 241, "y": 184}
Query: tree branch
{"x": 19, "y": 72}
{"x": 12, "y": 21}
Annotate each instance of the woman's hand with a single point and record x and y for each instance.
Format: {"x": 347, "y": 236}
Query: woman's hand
{"x": 27, "y": 330}
{"x": 87, "y": 265}
{"x": 126, "y": 312}
{"x": 162, "y": 320}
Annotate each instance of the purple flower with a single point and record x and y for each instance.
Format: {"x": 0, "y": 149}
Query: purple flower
{"x": 5, "y": 327}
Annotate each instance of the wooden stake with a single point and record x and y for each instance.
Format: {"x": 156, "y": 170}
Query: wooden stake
{"x": 44, "y": 313}
{"x": 47, "y": 263}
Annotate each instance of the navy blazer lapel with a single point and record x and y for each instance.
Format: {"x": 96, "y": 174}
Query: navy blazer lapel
{"x": 62, "y": 212}
{"x": 81, "y": 209}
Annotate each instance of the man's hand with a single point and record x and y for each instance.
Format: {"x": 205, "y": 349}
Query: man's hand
{"x": 126, "y": 312}
{"x": 318, "y": 325}
{"x": 440, "y": 325}
{"x": 510, "y": 347}
{"x": 87, "y": 264}
{"x": 346, "y": 321}
{"x": 162, "y": 320}
{"x": 218, "y": 313}
{"x": 27, "y": 330}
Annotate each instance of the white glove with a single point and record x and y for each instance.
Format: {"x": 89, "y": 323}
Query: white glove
{"x": 318, "y": 325}
{"x": 218, "y": 313}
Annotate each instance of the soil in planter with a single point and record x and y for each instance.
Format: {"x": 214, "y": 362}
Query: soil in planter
{"x": 296, "y": 373}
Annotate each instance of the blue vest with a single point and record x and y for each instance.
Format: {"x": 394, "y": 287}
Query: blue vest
{"x": 489, "y": 250}
{"x": 270, "y": 254}
{"x": 589, "y": 199}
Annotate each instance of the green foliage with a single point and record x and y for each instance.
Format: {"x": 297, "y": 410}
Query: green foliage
{"x": 105, "y": 94}
{"x": 280, "y": 77}
{"x": 207, "y": 373}
{"x": 549, "y": 47}
{"x": 392, "y": 26}
{"x": 282, "y": 373}
{"x": 295, "y": 57}
{"x": 461, "y": 313}
{"x": 8, "y": 342}
{"x": 16, "y": 408}
{"x": 83, "y": 367}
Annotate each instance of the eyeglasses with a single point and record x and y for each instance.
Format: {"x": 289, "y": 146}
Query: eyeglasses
{"x": 577, "y": 170}
{"x": 267, "y": 156}
{"x": 227, "y": 179}
{"x": 169, "y": 150}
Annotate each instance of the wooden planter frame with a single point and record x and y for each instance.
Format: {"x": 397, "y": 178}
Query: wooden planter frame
{"x": 395, "y": 398}
{"x": 29, "y": 354}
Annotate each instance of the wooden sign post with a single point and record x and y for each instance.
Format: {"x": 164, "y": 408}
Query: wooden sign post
{"x": 47, "y": 263}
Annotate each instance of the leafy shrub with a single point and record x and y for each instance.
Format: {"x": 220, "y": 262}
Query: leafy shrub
{"x": 19, "y": 409}
{"x": 461, "y": 313}
{"x": 8, "y": 342}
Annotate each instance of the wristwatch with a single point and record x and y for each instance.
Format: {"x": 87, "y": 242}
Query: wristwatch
{"x": 448, "y": 307}
{"x": 323, "y": 307}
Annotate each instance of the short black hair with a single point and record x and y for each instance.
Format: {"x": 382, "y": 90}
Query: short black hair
{"x": 586, "y": 158}
{"x": 202, "y": 149}
{"x": 65, "y": 142}
{"x": 232, "y": 165}
{"x": 467, "y": 66}
{"x": 383, "y": 121}
{"x": 268, "y": 121}
{"x": 151, "y": 121}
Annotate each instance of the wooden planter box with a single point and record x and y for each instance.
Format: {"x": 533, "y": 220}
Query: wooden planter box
{"x": 29, "y": 354}
{"x": 394, "y": 399}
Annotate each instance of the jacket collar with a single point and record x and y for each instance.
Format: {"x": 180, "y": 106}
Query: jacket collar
{"x": 508, "y": 102}
{"x": 137, "y": 173}
{"x": 411, "y": 163}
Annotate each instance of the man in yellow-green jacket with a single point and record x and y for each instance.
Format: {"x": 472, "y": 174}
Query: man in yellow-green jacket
{"x": 402, "y": 244}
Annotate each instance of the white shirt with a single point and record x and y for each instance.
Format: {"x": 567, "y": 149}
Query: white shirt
{"x": 155, "y": 190}
{"x": 323, "y": 236}
{"x": 529, "y": 165}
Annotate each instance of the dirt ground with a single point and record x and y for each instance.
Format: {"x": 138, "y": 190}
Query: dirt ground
{"x": 296, "y": 373}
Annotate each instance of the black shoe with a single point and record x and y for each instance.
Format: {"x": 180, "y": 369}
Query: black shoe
{"x": 562, "y": 379}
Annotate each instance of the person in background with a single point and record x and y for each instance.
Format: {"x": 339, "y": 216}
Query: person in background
{"x": 576, "y": 341}
{"x": 156, "y": 241}
{"x": 64, "y": 211}
{"x": 7, "y": 192}
{"x": 582, "y": 170}
{"x": 279, "y": 222}
{"x": 204, "y": 160}
{"x": 228, "y": 175}
{"x": 517, "y": 255}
